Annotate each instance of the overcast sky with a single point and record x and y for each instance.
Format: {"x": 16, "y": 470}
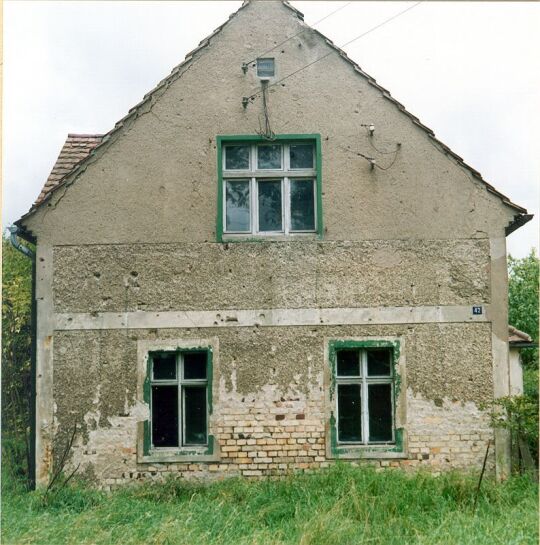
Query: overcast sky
{"x": 469, "y": 71}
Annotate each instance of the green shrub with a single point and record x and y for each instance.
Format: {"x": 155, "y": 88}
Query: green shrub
{"x": 519, "y": 415}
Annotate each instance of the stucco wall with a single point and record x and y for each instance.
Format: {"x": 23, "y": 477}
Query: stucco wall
{"x": 123, "y": 278}
{"x": 516, "y": 371}
{"x": 156, "y": 180}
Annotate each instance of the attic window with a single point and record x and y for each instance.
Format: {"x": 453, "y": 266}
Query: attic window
{"x": 265, "y": 68}
{"x": 270, "y": 188}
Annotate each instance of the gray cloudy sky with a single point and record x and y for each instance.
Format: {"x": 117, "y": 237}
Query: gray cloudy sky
{"x": 470, "y": 71}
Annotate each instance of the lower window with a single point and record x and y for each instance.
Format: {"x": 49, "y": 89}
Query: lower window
{"x": 179, "y": 398}
{"x": 364, "y": 396}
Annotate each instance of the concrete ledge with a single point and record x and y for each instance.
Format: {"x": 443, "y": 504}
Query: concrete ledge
{"x": 270, "y": 317}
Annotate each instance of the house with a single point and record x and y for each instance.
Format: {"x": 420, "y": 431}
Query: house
{"x": 517, "y": 340}
{"x": 267, "y": 265}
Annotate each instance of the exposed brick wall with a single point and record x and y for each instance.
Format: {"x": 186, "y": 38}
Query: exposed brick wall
{"x": 271, "y": 412}
{"x": 281, "y": 432}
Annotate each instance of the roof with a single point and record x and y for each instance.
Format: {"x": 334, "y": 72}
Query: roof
{"x": 61, "y": 175}
{"x": 519, "y": 338}
{"x": 76, "y": 148}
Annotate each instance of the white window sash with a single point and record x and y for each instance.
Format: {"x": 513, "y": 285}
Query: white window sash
{"x": 285, "y": 174}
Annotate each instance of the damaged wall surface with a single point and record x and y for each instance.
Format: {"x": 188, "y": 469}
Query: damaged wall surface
{"x": 207, "y": 276}
{"x": 271, "y": 410}
{"x": 130, "y": 261}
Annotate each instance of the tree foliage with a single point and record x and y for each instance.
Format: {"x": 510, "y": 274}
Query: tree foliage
{"x": 523, "y": 301}
{"x": 16, "y": 342}
{"x": 520, "y": 413}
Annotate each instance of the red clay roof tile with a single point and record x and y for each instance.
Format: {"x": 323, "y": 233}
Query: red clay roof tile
{"x": 76, "y": 148}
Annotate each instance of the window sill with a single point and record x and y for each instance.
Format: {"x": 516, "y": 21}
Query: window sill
{"x": 390, "y": 451}
{"x": 158, "y": 456}
{"x": 232, "y": 237}
{"x": 206, "y": 453}
{"x": 367, "y": 453}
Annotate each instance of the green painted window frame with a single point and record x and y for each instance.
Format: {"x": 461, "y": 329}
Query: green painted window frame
{"x": 393, "y": 449}
{"x": 177, "y": 453}
{"x": 222, "y": 140}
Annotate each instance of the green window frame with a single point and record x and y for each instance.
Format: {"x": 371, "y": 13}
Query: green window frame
{"x": 281, "y": 178}
{"x": 182, "y": 382}
{"x": 351, "y": 384}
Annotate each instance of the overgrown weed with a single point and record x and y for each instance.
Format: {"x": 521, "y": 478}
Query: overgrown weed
{"x": 338, "y": 506}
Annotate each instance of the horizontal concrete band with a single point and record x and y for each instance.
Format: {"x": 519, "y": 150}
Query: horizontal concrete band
{"x": 270, "y": 317}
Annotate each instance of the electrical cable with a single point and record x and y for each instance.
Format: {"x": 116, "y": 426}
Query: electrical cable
{"x": 297, "y": 34}
{"x": 267, "y": 133}
{"x": 370, "y": 140}
{"x": 391, "y": 164}
{"x": 254, "y": 95}
{"x": 371, "y": 160}
{"x": 380, "y": 151}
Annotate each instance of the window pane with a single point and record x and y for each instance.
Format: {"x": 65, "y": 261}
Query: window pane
{"x": 269, "y": 156}
{"x": 237, "y": 157}
{"x": 165, "y": 416}
{"x": 348, "y": 363}
{"x": 302, "y": 205}
{"x": 195, "y": 415}
{"x": 194, "y": 365}
{"x": 237, "y": 206}
{"x": 378, "y": 362}
{"x": 349, "y": 413}
{"x": 270, "y": 206}
{"x": 164, "y": 366}
{"x": 301, "y": 155}
{"x": 265, "y": 68}
{"x": 380, "y": 412}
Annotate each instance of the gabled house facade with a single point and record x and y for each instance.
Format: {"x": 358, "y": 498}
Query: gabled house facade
{"x": 253, "y": 273}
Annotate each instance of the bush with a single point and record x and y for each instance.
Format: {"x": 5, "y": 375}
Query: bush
{"x": 519, "y": 415}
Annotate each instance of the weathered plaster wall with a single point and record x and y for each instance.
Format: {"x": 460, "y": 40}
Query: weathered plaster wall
{"x": 265, "y": 373}
{"x": 516, "y": 371}
{"x": 209, "y": 276}
{"x": 136, "y": 231}
{"x": 156, "y": 182}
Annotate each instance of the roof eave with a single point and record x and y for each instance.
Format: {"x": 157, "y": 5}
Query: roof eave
{"x": 518, "y": 221}
{"x": 522, "y": 344}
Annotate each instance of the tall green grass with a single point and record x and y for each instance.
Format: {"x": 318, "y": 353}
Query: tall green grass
{"x": 339, "y": 506}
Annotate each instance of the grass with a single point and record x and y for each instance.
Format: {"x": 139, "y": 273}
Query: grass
{"x": 340, "y": 506}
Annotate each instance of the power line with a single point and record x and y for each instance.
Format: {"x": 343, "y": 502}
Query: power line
{"x": 297, "y": 34}
{"x": 340, "y": 47}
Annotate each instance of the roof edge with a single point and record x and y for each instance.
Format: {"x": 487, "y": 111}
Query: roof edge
{"x": 175, "y": 74}
{"x": 520, "y": 219}
{"x": 520, "y": 339}
{"x": 445, "y": 149}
